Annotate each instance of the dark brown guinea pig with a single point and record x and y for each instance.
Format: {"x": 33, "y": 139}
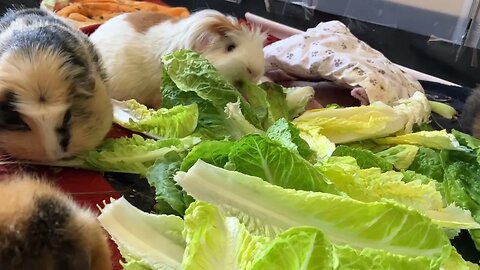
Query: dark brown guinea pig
{"x": 53, "y": 97}
{"x": 470, "y": 119}
{"x": 42, "y": 228}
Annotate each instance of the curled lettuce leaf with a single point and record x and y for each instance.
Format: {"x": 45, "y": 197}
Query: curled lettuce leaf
{"x": 365, "y": 158}
{"x": 401, "y": 156}
{"x": 177, "y": 122}
{"x": 134, "y": 154}
{"x": 438, "y": 139}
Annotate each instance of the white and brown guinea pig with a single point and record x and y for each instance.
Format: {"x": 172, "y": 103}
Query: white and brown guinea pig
{"x": 53, "y": 97}
{"x": 42, "y": 228}
{"x": 131, "y": 46}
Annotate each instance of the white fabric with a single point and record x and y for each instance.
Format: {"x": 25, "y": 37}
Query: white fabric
{"x": 330, "y": 51}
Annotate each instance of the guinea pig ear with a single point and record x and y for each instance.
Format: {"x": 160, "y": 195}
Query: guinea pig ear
{"x": 214, "y": 29}
{"x": 10, "y": 119}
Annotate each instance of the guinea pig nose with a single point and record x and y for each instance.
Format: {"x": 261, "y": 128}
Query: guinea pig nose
{"x": 250, "y": 71}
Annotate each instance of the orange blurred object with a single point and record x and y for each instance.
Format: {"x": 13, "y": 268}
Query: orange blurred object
{"x": 93, "y": 12}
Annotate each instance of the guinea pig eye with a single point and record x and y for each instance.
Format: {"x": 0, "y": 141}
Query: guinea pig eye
{"x": 231, "y": 47}
{"x": 9, "y": 118}
{"x": 12, "y": 121}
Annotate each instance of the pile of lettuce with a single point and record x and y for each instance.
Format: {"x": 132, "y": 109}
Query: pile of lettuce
{"x": 247, "y": 179}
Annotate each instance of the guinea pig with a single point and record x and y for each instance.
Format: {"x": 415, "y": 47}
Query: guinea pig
{"x": 53, "y": 98}
{"x": 131, "y": 46}
{"x": 470, "y": 117}
{"x": 42, "y": 228}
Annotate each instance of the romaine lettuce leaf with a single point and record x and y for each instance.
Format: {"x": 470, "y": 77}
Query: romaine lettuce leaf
{"x": 146, "y": 241}
{"x": 365, "y": 158}
{"x": 277, "y": 102}
{"x": 177, "y": 122}
{"x": 262, "y": 157}
{"x": 307, "y": 248}
{"x": 267, "y": 209}
{"x": 211, "y": 120}
{"x": 268, "y": 101}
{"x": 217, "y": 242}
{"x": 319, "y": 144}
{"x": 134, "y": 154}
{"x": 213, "y": 152}
{"x": 466, "y": 140}
{"x": 351, "y": 124}
{"x": 160, "y": 176}
{"x": 288, "y": 135}
{"x": 236, "y": 122}
{"x": 370, "y": 185}
{"x": 429, "y": 163}
{"x": 189, "y": 78}
{"x": 438, "y": 139}
{"x": 376, "y": 120}
{"x": 401, "y": 156}
{"x": 297, "y": 99}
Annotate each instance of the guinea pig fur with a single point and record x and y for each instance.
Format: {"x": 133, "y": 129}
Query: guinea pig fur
{"x": 42, "y": 228}
{"x": 53, "y": 98}
{"x": 470, "y": 117}
{"x": 131, "y": 46}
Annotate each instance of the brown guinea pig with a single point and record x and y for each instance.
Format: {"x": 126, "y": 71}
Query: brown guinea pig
{"x": 42, "y": 228}
{"x": 131, "y": 46}
{"x": 53, "y": 98}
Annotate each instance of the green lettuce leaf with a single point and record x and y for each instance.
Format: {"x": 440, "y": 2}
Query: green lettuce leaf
{"x": 429, "y": 163}
{"x": 307, "y": 248}
{"x": 438, "y": 139}
{"x": 297, "y": 99}
{"x": 217, "y": 242}
{"x": 319, "y": 144}
{"x": 268, "y": 101}
{"x": 462, "y": 185}
{"x": 262, "y": 157}
{"x": 401, "y": 156}
{"x": 177, "y": 122}
{"x": 146, "y": 241}
{"x": 466, "y": 140}
{"x": 365, "y": 158}
{"x": 267, "y": 209}
{"x": 211, "y": 120}
{"x": 236, "y": 122}
{"x": 443, "y": 109}
{"x": 376, "y": 120}
{"x": 160, "y": 176}
{"x": 189, "y": 78}
{"x": 135, "y": 154}
{"x": 288, "y": 135}
{"x": 213, "y": 152}
{"x": 277, "y": 103}
{"x": 370, "y": 185}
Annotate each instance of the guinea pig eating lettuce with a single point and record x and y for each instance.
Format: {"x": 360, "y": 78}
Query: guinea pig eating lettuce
{"x": 131, "y": 46}
{"x": 53, "y": 97}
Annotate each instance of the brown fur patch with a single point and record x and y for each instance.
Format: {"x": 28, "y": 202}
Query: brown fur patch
{"x": 476, "y": 127}
{"x": 80, "y": 234}
{"x": 141, "y": 21}
{"x": 222, "y": 25}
